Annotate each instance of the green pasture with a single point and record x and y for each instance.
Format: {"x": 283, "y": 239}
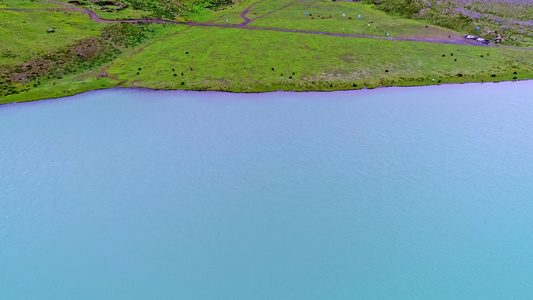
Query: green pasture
{"x": 27, "y": 4}
{"x": 231, "y": 13}
{"x": 24, "y": 34}
{"x": 372, "y": 22}
{"x": 242, "y": 60}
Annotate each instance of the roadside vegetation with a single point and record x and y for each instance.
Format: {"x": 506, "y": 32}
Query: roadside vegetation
{"x": 358, "y": 18}
{"x": 150, "y": 9}
{"x": 512, "y": 20}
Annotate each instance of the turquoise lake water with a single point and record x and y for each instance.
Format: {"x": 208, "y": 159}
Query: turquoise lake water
{"x": 396, "y": 193}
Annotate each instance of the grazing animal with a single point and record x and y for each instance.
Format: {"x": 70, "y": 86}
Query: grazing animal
{"x": 181, "y": 73}
{"x": 139, "y": 69}
{"x": 438, "y": 81}
{"x": 515, "y": 78}
{"x": 172, "y": 70}
{"x": 281, "y": 74}
{"x": 443, "y": 55}
{"x": 290, "y": 77}
{"x": 481, "y": 55}
{"x": 272, "y": 69}
{"x": 175, "y": 75}
{"x": 493, "y": 75}
{"x": 514, "y": 72}
{"x": 292, "y": 73}
{"x": 386, "y": 71}
{"x": 186, "y": 52}
{"x": 182, "y": 83}
{"x": 191, "y": 69}
{"x": 451, "y": 54}
{"x": 137, "y": 73}
{"x": 354, "y": 85}
{"x": 459, "y": 74}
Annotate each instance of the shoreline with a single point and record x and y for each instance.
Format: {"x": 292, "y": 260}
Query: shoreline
{"x": 144, "y": 89}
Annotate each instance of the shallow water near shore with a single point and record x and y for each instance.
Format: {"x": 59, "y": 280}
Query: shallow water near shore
{"x": 397, "y": 193}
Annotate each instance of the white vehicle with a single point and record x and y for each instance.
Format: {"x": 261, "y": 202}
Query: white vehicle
{"x": 480, "y": 40}
{"x": 469, "y": 36}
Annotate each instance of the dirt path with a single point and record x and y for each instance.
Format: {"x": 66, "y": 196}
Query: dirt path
{"x": 246, "y": 11}
{"x": 96, "y": 18}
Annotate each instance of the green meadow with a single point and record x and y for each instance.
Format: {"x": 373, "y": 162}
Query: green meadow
{"x": 232, "y": 60}
{"x": 328, "y": 17}
{"x": 82, "y": 54}
{"x": 27, "y": 4}
{"x": 24, "y": 35}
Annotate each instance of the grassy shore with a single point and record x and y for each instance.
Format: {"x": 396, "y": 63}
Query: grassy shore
{"x": 82, "y": 54}
{"x": 227, "y": 59}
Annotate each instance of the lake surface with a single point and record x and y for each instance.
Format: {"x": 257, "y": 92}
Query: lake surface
{"x": 396, "y": 193}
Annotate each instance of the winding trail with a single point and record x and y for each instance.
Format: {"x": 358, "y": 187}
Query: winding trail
{"x": 246, "y": 11}
{"x": 96, "y": 18}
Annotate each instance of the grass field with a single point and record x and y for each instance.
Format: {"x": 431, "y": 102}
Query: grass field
{"x": 26, "y": 4}
{"x": 24, "y": 35}
{"x": 372, "y": 22}
{"x": 82, "y": 54}
{"x": 233, "y": 60}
